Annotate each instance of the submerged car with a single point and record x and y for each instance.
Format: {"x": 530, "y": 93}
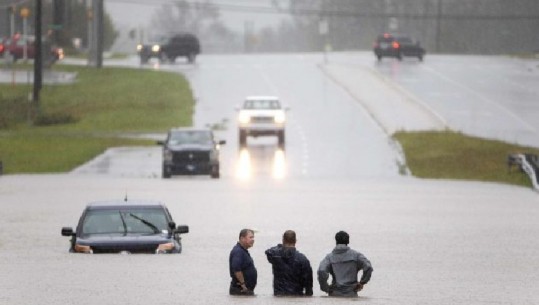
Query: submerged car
{"x": 126, "y": 226}
{"x": 261, "y": 116}
{"x": 191, "y": 151}
{"x": 397, "y": 46}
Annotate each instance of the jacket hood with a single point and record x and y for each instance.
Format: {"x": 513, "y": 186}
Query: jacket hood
{"x": 340, "y": 249}
{"x": 281, "y": 251}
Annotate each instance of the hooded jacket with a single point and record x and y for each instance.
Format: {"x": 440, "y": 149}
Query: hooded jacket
{"x": 292, "y": 272}
{"x": 343, "y": 264}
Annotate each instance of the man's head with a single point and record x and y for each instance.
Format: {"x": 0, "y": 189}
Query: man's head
{"x": 289, "y": 238}
{"x": 247, "y": 238}
{"x": 342, "y": 238}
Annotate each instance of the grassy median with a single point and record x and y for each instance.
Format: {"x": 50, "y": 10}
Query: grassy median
{"x": 76, "y": 122}
{"x": 450, "y": 155}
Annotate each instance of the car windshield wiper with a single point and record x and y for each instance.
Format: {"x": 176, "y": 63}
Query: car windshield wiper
{"x": 144, "y": 221}
{"x": 123, "y": 223}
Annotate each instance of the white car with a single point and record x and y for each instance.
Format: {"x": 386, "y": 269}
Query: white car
{"x": 261, "y": 116}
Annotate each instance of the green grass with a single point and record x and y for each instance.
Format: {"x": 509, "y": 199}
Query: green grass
{"x": 105, "y": 104}
{"x": 449, "y": 155}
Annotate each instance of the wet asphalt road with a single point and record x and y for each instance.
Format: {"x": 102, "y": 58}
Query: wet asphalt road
{"x": 430, "y": 242}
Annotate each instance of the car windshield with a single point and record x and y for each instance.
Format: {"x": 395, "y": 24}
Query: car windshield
{"x": 124, "y": 221}
{"x": 189, "y": 137}
{"x": 261, "y": 104}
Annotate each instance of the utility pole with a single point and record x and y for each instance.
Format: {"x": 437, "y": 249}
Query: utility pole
{"x": 12, "y": 10}
{"x": 438, "y": 25}
{"x": 98, "y": 32}
{"x": 38, "y": 56}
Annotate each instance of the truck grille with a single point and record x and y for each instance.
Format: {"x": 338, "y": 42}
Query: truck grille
{"x": 191, "y": 156}
{"x": 135, "y": 249}
{"x": 262, "y": 119}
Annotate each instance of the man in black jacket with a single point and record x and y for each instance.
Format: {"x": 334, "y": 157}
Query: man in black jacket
{"x": 292, "y": 272}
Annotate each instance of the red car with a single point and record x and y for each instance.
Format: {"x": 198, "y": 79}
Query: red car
{"x": 15, "y": 46}
{"x": 2, "y": 48}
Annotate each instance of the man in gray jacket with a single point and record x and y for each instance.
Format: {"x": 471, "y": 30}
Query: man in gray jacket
{"x": 344, "y": 265}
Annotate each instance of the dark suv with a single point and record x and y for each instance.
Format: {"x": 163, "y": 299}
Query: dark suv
{"x": 397, "y": 46}
{"x": 169, "y": 48}
{"x": 189, "y": 151}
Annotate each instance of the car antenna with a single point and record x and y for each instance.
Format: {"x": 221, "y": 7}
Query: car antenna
{"x": 125, "y": 198}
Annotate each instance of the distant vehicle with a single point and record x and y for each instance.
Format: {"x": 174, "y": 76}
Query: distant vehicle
{"x": 397, "y": 46}
{"x": 2, "y": 47}
{"x": 262, "y": 116}
{"x": 170, "y": 48}
{"x": 15, "y": 46}
{"x": 190, "y": 151}
{"x": 125, "y": 226}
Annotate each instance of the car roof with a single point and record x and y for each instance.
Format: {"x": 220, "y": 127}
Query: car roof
{"x": 393, "y": 36}
{"x": 190, "y": 129}
{"x": 261, "y": 97}
{"x": 115, "y": 204}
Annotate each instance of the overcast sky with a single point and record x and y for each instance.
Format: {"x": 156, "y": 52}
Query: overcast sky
{"x": 138, "y": 13}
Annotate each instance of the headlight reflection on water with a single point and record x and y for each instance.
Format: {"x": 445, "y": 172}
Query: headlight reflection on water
{"x": 279, "y": 165}
{"x": 243, "y": 169}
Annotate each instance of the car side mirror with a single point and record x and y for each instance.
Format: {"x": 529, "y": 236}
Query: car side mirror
{"x": 67, "y": 231}
{"x": 222, "y": 142}
{"x": 182, "y": 229}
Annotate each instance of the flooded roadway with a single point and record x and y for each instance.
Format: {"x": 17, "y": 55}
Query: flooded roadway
{"x": 430, "y": 242}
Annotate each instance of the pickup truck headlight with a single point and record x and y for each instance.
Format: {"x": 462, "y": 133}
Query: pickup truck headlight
{"x": 83, "y": 249}
{"x": 244, "y": 118}
{"x": 167, "y": 155}
{"x": 139, "y": 47}
{"x": 156, "y": 48}
{"x": 279, "y": 118}
{"x": 164, "y": 248}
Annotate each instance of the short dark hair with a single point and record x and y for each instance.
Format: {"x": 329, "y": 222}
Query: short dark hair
{"x": 289, "y": 237}
{"x": 244, "y": 232}
{"x": 342, "y": 238}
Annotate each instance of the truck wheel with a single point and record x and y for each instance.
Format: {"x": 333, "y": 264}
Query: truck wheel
{"x": 243, "y": 138}
{"x": 280, "y": 138}
{"x": 191, "y": 58}
{"x": 163, "y": 58}
{"x": 215, "y": 172}
{"x": 143, "y": 60}
{"x": 166, "y": 174}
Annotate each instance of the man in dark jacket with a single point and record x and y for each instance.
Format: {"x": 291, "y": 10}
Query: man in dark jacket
{"x": 242, "y": 269}
{"x": 344, "y": 264}
{"x": 292, "y": 272}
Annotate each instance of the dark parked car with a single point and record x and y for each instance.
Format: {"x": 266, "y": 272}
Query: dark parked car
{"x": 126, "y": 227}
{"x": 397, "y": 46}
{"x": 169, "y": 48}
{"x": 190, "y": 151}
